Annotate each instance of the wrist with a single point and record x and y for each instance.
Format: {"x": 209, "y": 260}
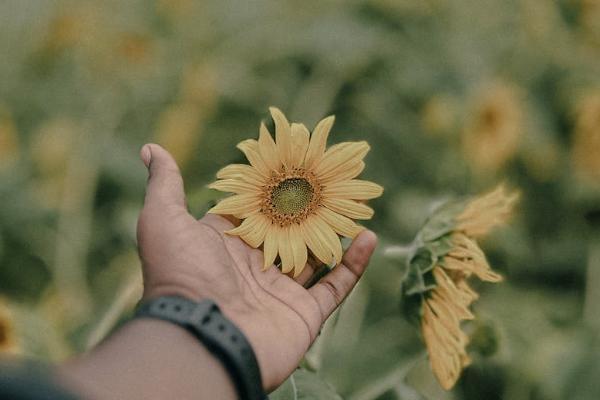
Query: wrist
{"x": 149, "y": 359}
{"x": 221, "y": 337}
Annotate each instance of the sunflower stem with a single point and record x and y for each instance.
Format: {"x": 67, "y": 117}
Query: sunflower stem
{"x": 399, "y": 252}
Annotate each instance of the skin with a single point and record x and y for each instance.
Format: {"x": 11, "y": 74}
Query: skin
{"x": 196, "y": 259}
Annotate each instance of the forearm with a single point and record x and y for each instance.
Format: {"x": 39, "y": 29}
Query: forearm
{"x": 149, "y": 359}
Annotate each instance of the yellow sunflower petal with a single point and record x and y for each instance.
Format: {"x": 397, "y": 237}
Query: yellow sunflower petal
{"x": 337, "y": 159}
{"x": 445, "y": 325}
{"x": 450, "y": 307}
{"x": 253, "y": 229}
{"x": 341, "y": 225}
{"x": 445, "y": 358}
{"x": 298, "y": 249}
{"x": 448, "y": 289}
{"x": 271, "y": 245}
{"x": 318, "y": 142}
{"x": 244, "y": 172}
{"x": 468, "y": 294}
{"x": 285, "y": 251}
{"x": 328, "y": 237}
{"x": 235, "y": 186}
{"x": 352, "y": 171}
{"x": 300, "y": 140}
{"x": 311, "y": 235}
{"x": 283, "y": 136}
{"x": 237, "y": 205}
{"x": 250, "y": 148}
{"x": 268, "y": 148}
{"x": 349, "y": 208}
{"x": 355, "y": 189}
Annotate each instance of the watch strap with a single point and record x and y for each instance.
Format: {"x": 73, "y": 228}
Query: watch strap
{"x": 220, "y": 336}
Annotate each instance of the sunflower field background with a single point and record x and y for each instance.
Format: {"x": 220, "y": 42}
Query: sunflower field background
{"x": 454, "y": 97}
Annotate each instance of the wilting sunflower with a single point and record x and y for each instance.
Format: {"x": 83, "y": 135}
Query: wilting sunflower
{"x": 445, "y": 255}
{"x": 296, "y": 193}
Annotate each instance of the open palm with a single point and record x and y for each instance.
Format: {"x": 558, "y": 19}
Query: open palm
{"x": 196, "y": 259}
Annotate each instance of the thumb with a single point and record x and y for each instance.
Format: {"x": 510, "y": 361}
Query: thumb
{"x": 165, "y": 184}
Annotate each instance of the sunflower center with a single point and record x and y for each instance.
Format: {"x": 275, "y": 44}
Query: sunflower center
{"x": 292, "y": 196}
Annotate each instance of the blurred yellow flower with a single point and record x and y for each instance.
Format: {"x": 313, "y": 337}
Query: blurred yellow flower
{"x": 586, "y": 147}
{"x": 199, "y": 85}
{"x": 589, "y": 18}
{"x": 9, "y": 141}
{"x": 134, "y": 48}
{"x": 8, "y": 336}
{"x": 177, "y": 131}
{"x": 440, "y": 115}
{"x": 494, "y": 128}
{"x": 174, "y": 8}
{"x": 52, "y": 145}
{"x": 179, "y": 127}
{"x": 63, "y": 32}
{"x": 542, "y": 158}
{"x": 296, "y": 193}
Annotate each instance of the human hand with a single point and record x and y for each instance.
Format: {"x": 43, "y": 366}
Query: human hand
{"x": 196, "y": 259}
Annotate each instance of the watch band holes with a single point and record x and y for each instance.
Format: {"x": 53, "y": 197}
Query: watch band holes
{"x": 177, "y": 308}
{"x": 206, "y": 320}
{"x": 162, "y": 306}
{"x": 234, "y": 338}
{"x": 221, "y": 327}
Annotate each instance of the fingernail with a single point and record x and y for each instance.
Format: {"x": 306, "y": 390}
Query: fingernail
{"x": 146, "y": 155}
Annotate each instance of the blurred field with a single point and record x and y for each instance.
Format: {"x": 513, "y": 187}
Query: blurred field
{"x": 453, "y": 96}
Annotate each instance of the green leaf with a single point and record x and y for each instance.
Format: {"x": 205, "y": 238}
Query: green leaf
{"x": 439, "y": 248}
{"x": 419, "y": 278}
{"x": 303, "y": 384}
{"x": 419, "y": 265}
{"x": 411, "y": 307}
{"x": 441, "y": 222}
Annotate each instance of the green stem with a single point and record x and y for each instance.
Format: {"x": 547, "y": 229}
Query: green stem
{"x": 387, "y": 382}
{"x": 125, "y": 300}
{"x": 592, "y": 293}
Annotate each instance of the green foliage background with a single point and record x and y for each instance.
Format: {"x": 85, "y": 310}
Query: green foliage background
{"x": 453, "y": 96}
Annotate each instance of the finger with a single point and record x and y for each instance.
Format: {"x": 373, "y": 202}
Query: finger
{"x": 305, "y": 275}
{"x": 233, "y": 220}
{"x": 165, "y": 185}
{"x": 218, "y": 222}
{"x": 335, "y": 286}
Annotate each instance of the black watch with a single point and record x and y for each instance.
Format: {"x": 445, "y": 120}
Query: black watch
{"x": 220, "y": 336}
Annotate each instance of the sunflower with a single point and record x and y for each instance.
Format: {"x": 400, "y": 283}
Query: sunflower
{"x": 494, "y": 128}
{"x": 296, "y": 195}
{"x": 446, "y": 255}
